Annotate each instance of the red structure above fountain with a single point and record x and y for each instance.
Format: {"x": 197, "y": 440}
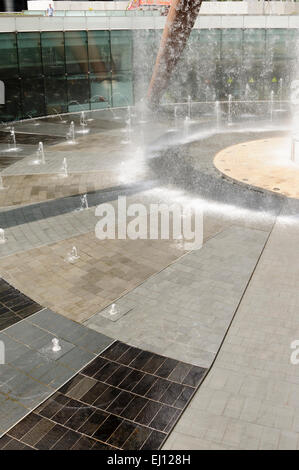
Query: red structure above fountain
{"x": 179, "y": 23}
{"x": 135, "y": 4}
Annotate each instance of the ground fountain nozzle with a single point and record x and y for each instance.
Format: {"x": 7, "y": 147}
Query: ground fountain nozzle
{"x": 55, "y": 345}
{"x": 2, "y": 236}
{"x": 113, "y": 310}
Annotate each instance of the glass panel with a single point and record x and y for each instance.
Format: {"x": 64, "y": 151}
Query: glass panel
{"x": 76, "y": 52}
{"x": 252, "y": 87}
{"x": 281, "y": 61}
{"x": 122, "y": 89}
{"x": 55, "y": 95}
{"x": 11, "y": 110}
{"x": 186, "y": 71}
{"x": 121, "y": 51}
{"x": 78, "y": 92}
{"x": 254, "y": 44}
{"x": 209, "y": 43}
{"x": 99, "y": 51}
{"x": 9, "y": 56}
{"x": 231, "y": 44}
{"x": 29, "y": 54}
{"x": 253, "y": 70}
{"x": 100, "y": 91}
{"x": 33, "y": 95}
{"x": 53, "y": 53}
{"x": 228, "y": 79}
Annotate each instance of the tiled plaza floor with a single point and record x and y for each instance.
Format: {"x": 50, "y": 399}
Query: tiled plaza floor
{"x": 106, "y": 270}
{"x": 178, "y": 308}
{"x": 30, "y": 189}
{"x": 184, "y": 310}
{"x": 250, "y": 399}
{"x": 126, "y": 398}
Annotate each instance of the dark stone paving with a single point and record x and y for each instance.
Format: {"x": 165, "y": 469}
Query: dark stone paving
{"x": 14, "y": 306}
{"x": 65, "y": 205}
{"x": 126, "y": 398}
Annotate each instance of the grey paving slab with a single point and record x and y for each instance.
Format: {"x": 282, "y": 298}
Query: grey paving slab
{"x": 24, "y": 332}
{"x": 184, "y": 311}
{"x": 10, "y": 413}
{"x": 13, "y": 349}
{"x": 22, "y": 388}
{"x": 76, "y": 358}
{"x": 47, "y": 348}
{"x": 70, "y": 331}
{"x": 93, "y": 342}
{"x": 249, "y": 399}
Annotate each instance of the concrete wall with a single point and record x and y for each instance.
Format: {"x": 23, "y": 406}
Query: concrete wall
{"x": 253, "y": 7}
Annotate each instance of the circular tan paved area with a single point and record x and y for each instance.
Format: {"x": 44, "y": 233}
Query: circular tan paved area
{"x": 263, "y": 163}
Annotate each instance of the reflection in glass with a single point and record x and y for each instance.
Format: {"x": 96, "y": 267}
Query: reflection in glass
{"x": 53, "y": 53}
{"x": 122, "y": 89}
{"x": 121, "y": 50}
{"x": 11, "y": 110}
{"x": 9, "y": 56}
{"x": 100, "y": 91}
{"x": 29, "y": 54}
{"x": 78, "y": 92}
{"x": 56, "y": 95}
{"x": 99, "y": 51}
{"x": 99, "y": 64}
{"x": 33, "y": 97}
{"x": 76, "y": 54}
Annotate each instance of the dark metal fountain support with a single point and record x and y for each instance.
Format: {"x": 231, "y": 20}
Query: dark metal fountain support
{"x": 179, "y": 23}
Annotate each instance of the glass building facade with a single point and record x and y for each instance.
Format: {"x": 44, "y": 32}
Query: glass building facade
{"x": 56, "y": 72}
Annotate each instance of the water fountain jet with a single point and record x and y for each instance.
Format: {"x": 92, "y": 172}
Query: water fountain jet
{"x": 189, "y": 107}
{"x": 2, "y": 187}
{"x": 229, "y": 113}
{"x": 83, "y": 123}
{"x": 128, "y": 128}
{"x": 12, "y": 145}
{"x": 70, "y": 135}
{"x": 83, "y": 202}
{"x": 64, "y": 168}
{"x": 2, "y": 236}
{"x": 271, "y": 105}
{"x": 72, "y": 256}
{"x": 40, "y": 155}
{"x": 217, "y": 114}
{"x": 55, "y": 345}
{"x": 113, "y": 310}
